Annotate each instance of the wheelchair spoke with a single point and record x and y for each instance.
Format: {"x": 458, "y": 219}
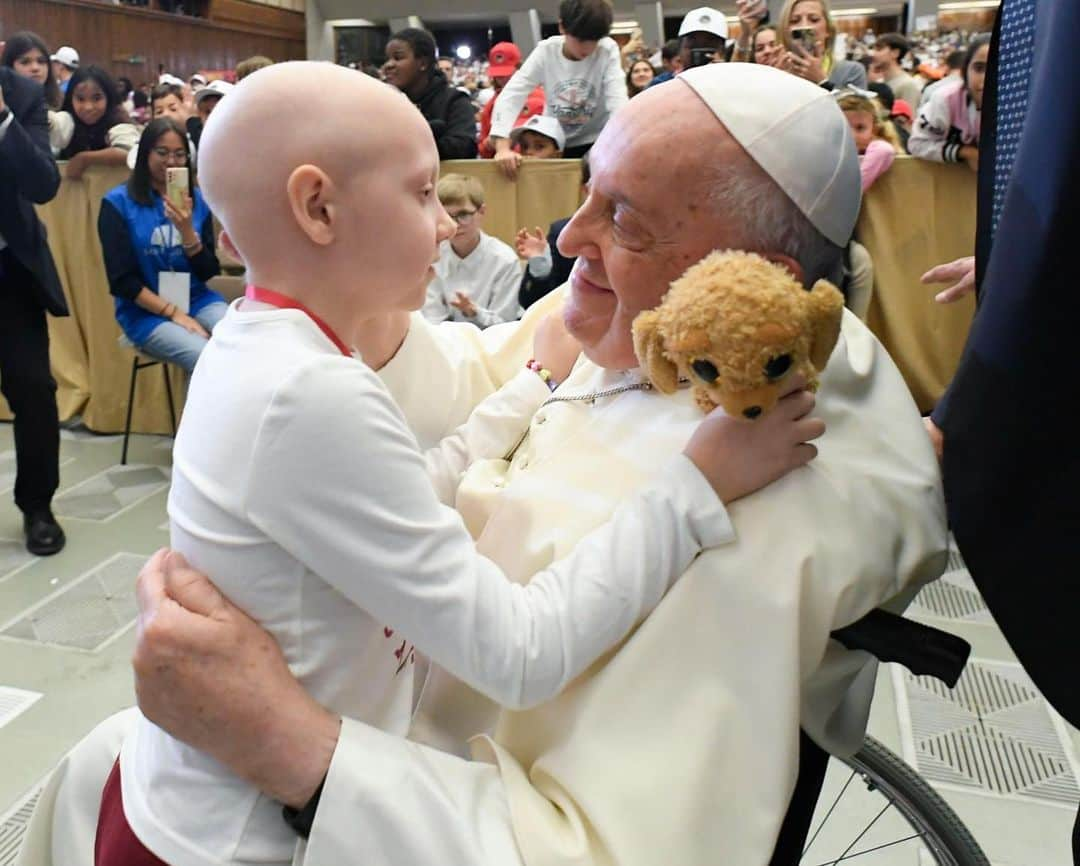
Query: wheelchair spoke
{"x": 844, "y": 858}
{"x": 825, "y": 820}
{"x": 866, "y": 830}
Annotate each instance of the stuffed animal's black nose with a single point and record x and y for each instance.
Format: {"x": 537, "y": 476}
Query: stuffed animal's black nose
{"x": 752, "y": 412}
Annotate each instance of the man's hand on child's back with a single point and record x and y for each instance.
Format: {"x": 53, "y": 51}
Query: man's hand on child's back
{"x": 210, "y": 676}
{"x": 738, "y": 457}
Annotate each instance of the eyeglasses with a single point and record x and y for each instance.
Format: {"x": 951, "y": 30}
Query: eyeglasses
{"x": 165, "y": 153}
{"x": 463, "y": 217}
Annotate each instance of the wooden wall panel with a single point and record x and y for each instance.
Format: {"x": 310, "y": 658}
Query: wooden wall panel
{"x": 113, "y": 36}
{"x": 973, "y": 21}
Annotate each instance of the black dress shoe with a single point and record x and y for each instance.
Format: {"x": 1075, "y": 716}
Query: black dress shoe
{"x": 44, "y": 537}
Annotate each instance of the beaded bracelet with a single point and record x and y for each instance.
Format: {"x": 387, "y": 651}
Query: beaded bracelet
{"x": 543, "y": 373}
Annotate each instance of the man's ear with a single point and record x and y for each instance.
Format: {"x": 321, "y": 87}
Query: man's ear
{"x": 311, "y": 196}
{"x": 787, "y": 262}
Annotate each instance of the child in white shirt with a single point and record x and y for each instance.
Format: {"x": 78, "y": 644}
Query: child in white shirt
{"x": 477, "y": 276}
{"x": 298, "y": 486}
{"x": 582, "y": 76}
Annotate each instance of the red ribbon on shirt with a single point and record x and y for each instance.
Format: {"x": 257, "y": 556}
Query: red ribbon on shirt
{"x": 276, "y": 299}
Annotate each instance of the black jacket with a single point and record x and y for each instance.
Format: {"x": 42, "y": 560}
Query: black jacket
{"x": 450, "y": 113}
{"x": 1011, "y": 465}
{"x": 29, "y": 176}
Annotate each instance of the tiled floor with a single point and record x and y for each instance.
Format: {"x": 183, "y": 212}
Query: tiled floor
{"x": 1003, "y": 759}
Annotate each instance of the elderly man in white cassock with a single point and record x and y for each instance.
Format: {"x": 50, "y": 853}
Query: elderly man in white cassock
{"x": 634, "y": 763}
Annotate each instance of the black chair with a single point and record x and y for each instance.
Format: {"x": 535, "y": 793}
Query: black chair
{"x": 141, "y": 362}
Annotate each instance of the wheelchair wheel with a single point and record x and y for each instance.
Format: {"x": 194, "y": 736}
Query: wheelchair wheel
{"x": 875, "y": 809}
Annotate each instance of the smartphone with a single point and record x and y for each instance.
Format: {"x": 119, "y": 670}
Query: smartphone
{"x": 177, "y": 185}
{"x": 807, "y": 38}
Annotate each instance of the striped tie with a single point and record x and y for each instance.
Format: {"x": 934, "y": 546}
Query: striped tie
{"x": 1014, "y": 80}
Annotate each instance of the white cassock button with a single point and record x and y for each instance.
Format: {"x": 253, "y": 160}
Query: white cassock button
{"x": 524, "y": 464}
{"x": 540, "y": 419}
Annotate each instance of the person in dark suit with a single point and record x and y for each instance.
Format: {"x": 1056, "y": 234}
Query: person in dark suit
{"x": 1010, "y": 458}
{"x": 29, "y": 287}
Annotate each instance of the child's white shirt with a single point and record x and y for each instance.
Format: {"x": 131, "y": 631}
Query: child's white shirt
{"x": 490, "y": 275}
{"x": 298, "y": 487}
{"x": 582, "y": 94}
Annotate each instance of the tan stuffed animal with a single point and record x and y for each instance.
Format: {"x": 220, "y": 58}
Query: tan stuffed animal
{"x": 736, "y": 325}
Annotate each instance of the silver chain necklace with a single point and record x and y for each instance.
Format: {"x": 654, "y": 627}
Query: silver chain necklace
{"x": 596, "y": 395}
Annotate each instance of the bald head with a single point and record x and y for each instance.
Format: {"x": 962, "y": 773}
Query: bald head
{"x": 289, "y": 115}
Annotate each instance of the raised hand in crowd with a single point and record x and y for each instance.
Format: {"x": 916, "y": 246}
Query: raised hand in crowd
{"x": 961, "y": 273}
{"x": 750, "y": 13}
{"x": 804, "y": 64}
{"x": 530, "y": 244}
{"x": 181, "y": 217}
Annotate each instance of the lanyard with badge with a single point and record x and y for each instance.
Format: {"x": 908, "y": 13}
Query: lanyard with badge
{"x": 174, "y": 287}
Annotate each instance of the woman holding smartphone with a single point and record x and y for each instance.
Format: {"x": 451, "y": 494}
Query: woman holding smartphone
{"x": 158, "y": 243}
{"x": 809, "y": 36}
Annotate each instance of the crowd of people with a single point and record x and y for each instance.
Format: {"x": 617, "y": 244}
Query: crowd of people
{"x": 922, "y": 98}
{"x": 896, "y": 95}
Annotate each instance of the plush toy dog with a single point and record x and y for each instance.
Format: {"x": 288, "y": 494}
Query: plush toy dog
{"x": 737, "y": 325}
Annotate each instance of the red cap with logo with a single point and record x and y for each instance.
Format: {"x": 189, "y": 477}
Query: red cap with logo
{"x": 503, "y": 59}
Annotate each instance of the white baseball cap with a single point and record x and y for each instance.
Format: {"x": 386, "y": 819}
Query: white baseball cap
{"x": 166, "y": 78}
{"x": 795, "y": 131}
{"x": 214, "y": 88}
{"x": 198, "y": 77}
{"x": 68, "y": 56}
{"x": 704, "y": 19}
{"x": 545, "y": 125}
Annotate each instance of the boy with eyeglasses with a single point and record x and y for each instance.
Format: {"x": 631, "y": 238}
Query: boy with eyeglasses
{"x": 477, "y": 276}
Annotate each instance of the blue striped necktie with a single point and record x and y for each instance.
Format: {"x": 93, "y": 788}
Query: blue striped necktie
{"x": 1015, "y": 52}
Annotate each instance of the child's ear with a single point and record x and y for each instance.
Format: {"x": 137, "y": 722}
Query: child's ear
{"x": 482, "y": 210}
{"x": 311, "y": 195}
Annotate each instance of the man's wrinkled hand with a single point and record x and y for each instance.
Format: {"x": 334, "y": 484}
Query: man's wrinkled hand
{"x": 207, "y": 674}
{"x": 962, "y": 271}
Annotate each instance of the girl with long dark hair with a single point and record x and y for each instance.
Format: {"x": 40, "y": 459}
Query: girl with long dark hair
{"x": 101, "y": 133}
{"x": 144, "y": 234}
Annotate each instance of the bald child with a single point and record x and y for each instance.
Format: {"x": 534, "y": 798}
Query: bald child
{"x": 297, "y": 484}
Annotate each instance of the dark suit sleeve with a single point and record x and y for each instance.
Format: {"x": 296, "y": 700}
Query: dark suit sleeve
{"x": 205, "y": 265}
{"x": 121, "y": 266}
{"x": 457, "y": 139}
{"x": 26, "y": 161}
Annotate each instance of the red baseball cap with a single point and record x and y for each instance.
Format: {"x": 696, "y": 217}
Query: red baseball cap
{"x": 900, "y": 108}
{"x": 503, "y": 59}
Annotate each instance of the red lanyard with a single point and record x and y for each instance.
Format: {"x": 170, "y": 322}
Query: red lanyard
{"x": 266, "y": 296}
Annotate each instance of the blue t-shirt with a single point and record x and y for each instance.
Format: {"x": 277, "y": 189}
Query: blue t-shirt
{"x": 158, "y": 247}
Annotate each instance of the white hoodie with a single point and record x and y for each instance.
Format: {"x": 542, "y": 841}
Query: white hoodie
{"x": 582, "y": 94}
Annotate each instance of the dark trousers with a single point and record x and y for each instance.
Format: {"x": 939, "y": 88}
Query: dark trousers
{"x": 28, "y": 386}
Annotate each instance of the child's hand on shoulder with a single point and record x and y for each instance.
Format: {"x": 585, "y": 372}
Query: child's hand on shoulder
{"x": 554, "y": 347}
